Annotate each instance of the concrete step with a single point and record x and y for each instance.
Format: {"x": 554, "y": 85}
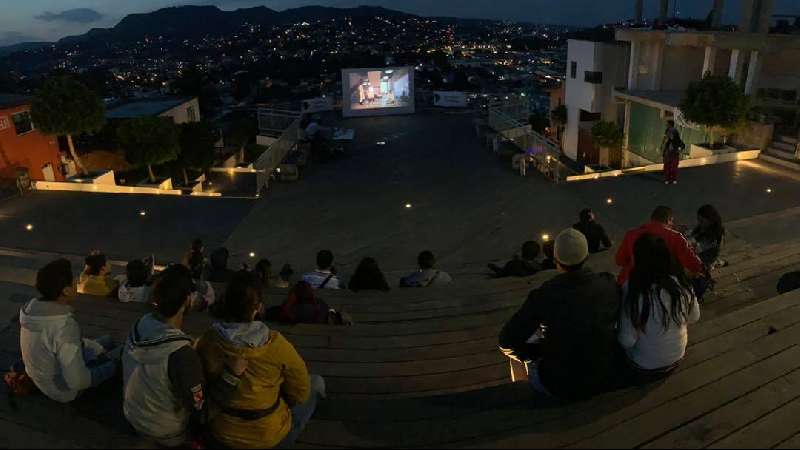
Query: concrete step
{"x": 787, "y": 140}
{"x": 780, "y": 161}
{"x": 783, "y": 154}
{"x": 785, "y": 146}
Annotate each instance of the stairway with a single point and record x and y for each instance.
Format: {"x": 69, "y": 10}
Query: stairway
{"x": 783, "y": 152}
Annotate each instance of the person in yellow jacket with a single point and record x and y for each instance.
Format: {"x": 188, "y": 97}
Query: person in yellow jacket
{"x": 276, "y": 396}
{"x": 96, "y": 277}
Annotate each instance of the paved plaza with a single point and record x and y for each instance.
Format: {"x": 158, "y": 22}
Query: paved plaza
{"x": 465, "y": 205}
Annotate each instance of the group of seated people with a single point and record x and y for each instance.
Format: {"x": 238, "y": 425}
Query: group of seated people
{"x": 369, "y": 277}
{"x": 242, "y": 385}
{"x": 584, "y": 333}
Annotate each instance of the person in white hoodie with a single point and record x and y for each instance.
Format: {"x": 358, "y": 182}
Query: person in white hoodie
{"x": 164, "y": 384}
{"x": 657, "y": 307}
{"x": 59, "y": 361}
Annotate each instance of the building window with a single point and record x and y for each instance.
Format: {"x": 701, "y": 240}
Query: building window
{"x": 22, "y": 122}
{"x": 192, "y": 114}
{"x": 593, "y": 77}
{"x": 574, "y": 70}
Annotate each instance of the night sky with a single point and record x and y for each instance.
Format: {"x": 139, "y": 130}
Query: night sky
{"x": 48, "y": 20}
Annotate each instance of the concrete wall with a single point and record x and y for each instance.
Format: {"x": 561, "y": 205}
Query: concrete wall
{"x": 780, "y": 70}
{"x": 682, "y": 65}
{"x": 32, "y": 150}
{"x": 180, "y": 114}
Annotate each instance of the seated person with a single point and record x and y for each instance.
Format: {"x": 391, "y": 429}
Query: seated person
{"x": 136, "y": 287}
{"x": 325, "y": 275}
{"x": 523, "y": 264}
{"x": 427, "y": 275}
{"x": 284, "y": 277}
{"x": 96, "y": 277}
{"x": 164, "y": 384}
{"x": 218, "y": 271}
{"x": 565, "y": 333}
{"x": 549, "y": 262}
{"x": 708, "y": 237}
{"x": 657, "y": 307}
{"x": 303, "y": 306}
{"x": 57, "y": 360}
{"x": 368, "y": 277}
{"x": 595, "y": 233}
{"x": 195, "y": 259}
{"x": 277, "y": 397}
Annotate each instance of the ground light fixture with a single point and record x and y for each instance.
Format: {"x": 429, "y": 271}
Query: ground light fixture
{"x": 29, "y": 227}
{"x": 769, "y": 190}
{"x": 252, "y": 254}
{"x": 142, "y": 213}
{"x": 610, "y": 201}
{"x": 409, "y": 206}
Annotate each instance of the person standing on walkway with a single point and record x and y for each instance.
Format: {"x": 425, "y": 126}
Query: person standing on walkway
{"x": 672, "y": 146}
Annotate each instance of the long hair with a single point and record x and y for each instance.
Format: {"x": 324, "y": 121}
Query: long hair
{"x": 715, "y": 230}
{"x": 368, "y": 275}
{"x": 656, "y": 271}
{"x": 243, "y": 298}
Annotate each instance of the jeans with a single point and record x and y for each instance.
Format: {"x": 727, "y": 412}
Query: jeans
{"x": 95, "y": 356}
{"x": 535, "y": 380}
{"x": 301, "y": 415}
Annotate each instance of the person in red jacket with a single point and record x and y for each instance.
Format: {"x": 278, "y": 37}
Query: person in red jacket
{"x": 661, "y": 223}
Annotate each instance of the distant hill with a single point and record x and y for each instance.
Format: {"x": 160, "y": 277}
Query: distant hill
{"x": 23, "y": 46}
{"x": 187, "y": 22}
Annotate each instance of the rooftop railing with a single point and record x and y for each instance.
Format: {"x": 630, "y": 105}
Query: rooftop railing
{"x": 510, "y": 121}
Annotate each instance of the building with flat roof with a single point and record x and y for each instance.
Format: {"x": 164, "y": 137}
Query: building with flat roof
{"x": 181, "y": 110}
{"x": 640, "y": 80}
{"x": 23, "y": 149}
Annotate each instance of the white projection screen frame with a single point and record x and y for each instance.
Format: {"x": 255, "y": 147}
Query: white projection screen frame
{"x": 377, "y": 92}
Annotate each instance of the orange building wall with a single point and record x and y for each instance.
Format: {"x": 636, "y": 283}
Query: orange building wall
{"x": 32, "y": 150}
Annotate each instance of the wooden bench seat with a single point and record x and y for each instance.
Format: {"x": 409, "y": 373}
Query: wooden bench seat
{"x": 749, "y": 357}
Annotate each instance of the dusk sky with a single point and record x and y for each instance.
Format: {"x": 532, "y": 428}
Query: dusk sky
{"x": 48, "y": 20}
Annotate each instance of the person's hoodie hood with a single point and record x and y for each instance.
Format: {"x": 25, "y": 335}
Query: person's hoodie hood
{"x": 245, "y": 335}
{"x": 146, "y": 343}
{"x": 38, "y": 315}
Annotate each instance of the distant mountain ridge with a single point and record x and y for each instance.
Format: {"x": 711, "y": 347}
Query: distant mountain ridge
{"x": 187, "y": 22}
{"x": 22, "y": 47}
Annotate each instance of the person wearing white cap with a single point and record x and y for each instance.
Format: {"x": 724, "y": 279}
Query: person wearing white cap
{"x": 565, "y": 333}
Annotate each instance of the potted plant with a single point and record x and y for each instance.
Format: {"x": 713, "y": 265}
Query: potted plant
{"x": 609, "y": 137}
{"x": 718, "y": 104}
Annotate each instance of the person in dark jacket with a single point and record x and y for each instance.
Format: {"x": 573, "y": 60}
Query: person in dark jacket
{"x": 368, "y": 277}
{"x": 523, "y": 265}
{"x": 594, "y": 232}
{"x": 218, "y": 272}
{"x": 565, "y": 333}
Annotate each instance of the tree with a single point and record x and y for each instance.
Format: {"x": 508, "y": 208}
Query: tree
{"x": 149, "y": 141}
{"x": 716, "y": 103}
{"x": 65, "y": 107}
{"x": 197, "y": 142}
